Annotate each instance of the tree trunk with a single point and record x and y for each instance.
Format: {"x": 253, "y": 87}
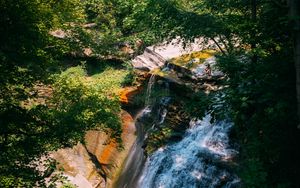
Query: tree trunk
{"x": 297, "y": 65}
{"x": 253, "y": 13}
{"x": 295, "y": 16}
{"x": 253, "y": 32}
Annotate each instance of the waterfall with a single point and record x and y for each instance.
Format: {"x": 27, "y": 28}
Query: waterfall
{"x": 162, "y": 111}
{"x": 136, "y": 159}
{"x": 201, "y": 160}
{"x": 149, "y": 89}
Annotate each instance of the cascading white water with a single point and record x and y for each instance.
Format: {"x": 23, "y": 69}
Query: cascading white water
{"x": 200, "y": 160}
{"x": 149, "y": 89}
{"x": 136, "y": 158}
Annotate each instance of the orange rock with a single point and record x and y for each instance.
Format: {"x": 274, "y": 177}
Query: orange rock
{"x": 77, "y": 162}
{"x": 107, "y": 154}
{"x": 107, "y": 150}
{"x": 127, "y": 93}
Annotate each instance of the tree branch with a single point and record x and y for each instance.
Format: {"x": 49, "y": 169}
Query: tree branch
{"x": 220, "y": 48}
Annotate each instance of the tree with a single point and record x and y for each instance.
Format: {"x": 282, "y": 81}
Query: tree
{"x": 256, "y": 42}
{"x": 23, "y": 57}
{"x": 295, "y": 17}
{"x": 28, "y": 55}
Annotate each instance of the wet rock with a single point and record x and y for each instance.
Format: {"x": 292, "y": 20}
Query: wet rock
{"x": 127, "y": 94}
{"x": 171, "y": 129}
{"x": 107, "y": 151}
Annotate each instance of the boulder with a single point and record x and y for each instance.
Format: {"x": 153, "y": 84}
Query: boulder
{"x": 78, "y": 167}
{"x": 99, "y": 162}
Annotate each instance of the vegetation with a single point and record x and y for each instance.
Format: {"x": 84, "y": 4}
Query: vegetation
{"x": 84, "y": 103}
{"x": 258, "y": 43}
{"x": 255, "y": 39}
{"x": 255, "y": 42}
{"x": 192, "y": 60}
{"x": 75, "y": 102}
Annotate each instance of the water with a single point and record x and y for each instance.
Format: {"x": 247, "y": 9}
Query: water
{"x": 162, "y": 111}
{"x": 201, "y": 160}
{"x": 136, "y": 159}
{"x": 149, "y": 89}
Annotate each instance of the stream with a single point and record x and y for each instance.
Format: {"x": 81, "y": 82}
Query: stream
{"x": 136, "y": 158}
{"x": 203, "y": 158}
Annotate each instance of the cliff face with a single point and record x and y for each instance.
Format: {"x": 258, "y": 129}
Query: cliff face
{"x": 78, "y": 167}
{"x": 99, "y": 162}
{"x": 106, "y": 151}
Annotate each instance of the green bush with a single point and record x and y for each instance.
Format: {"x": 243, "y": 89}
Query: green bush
{"x": 81, "y": 105}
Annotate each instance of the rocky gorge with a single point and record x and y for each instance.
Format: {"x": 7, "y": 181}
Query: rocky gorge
{"x": 169, "y": 78}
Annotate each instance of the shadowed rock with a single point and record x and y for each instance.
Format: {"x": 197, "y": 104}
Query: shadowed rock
{"x": 100, "y": 160}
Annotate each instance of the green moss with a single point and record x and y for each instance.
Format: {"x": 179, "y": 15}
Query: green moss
{"x": 110, "y": 80}
{"x": 185, "y": 60}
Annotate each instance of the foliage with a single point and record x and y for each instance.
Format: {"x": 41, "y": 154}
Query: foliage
{"x": 264, "y": 115}
{"x": 256, "y": 44}
{"x": 28, "y": 54}
{"x": 253, "y": 36}
{"x": 113, "y": 26}
{"x": 131, "y": 76}
{"x": 23, "y": 56}
{"x": 262, "y": 97}
{"x": 197, "y": 105}
{"x": 110, "y": 80}
{"x": 81, "y": 105}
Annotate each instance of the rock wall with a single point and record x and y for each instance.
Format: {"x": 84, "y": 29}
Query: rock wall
{"x": 99, "y": 162}
{"x": 78, "y": 167}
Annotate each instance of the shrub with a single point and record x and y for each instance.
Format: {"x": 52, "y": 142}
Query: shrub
{"x": 81, "y": 105}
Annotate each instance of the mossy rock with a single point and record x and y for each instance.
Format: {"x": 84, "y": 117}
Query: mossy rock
{"x": 188, "y": 62}
{"x": 171, "y": 130}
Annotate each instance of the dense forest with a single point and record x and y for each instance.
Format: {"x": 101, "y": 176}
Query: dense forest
{"x": 258, "y": 50}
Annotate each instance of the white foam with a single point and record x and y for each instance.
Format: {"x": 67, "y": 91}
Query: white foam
{"x": 191, "y": 162}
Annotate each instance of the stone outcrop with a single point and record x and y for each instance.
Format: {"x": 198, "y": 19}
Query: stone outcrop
{"x": 107, "y": 151}
{"x": 149, "y": 60}
{"x": 156, "y": 56}
{"x": 127, "y": 94}
{"x": 78, "y": 167}
{"x": 99, "y": 162}
{"x": 184, "y": 70}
